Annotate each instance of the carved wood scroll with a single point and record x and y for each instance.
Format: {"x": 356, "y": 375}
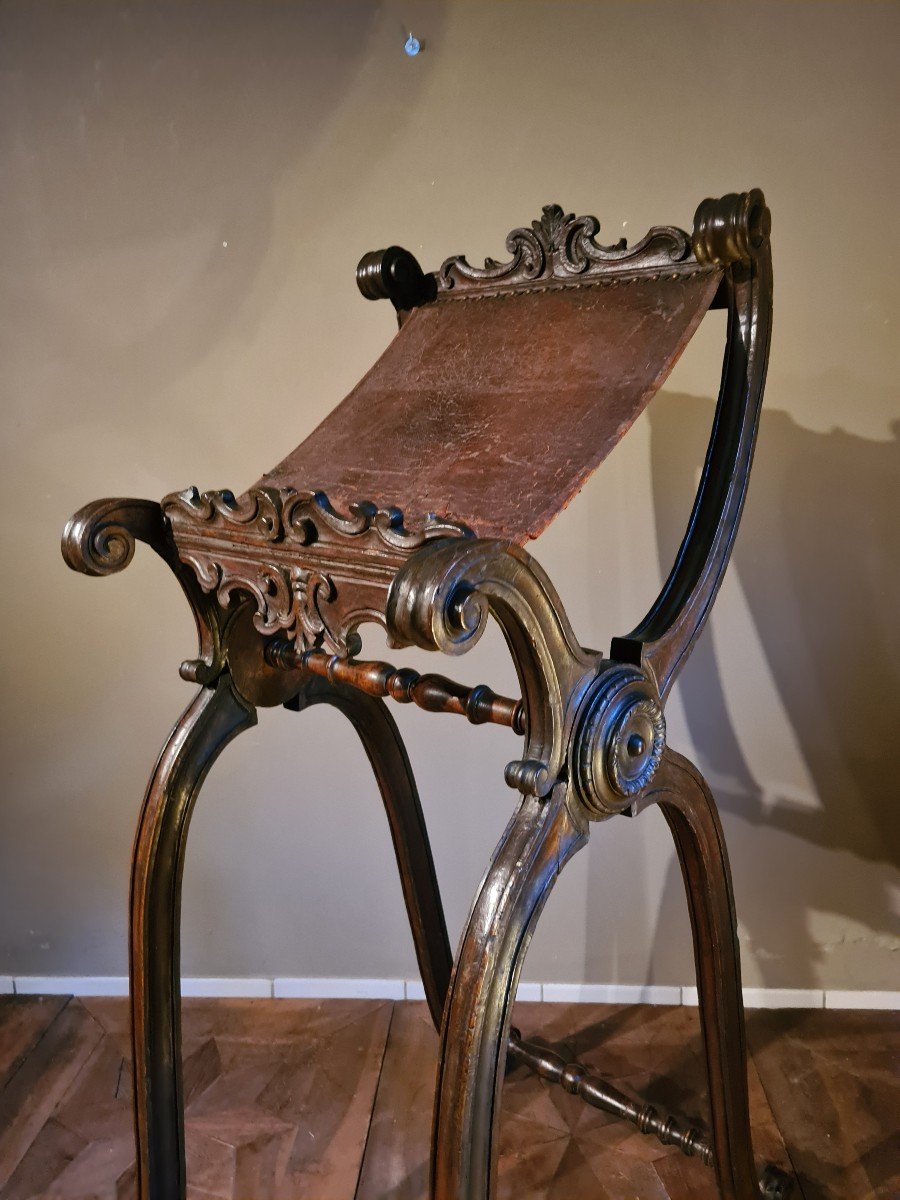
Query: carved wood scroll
{"x": 562, "y": 248}
{"x": 314, "y": 573}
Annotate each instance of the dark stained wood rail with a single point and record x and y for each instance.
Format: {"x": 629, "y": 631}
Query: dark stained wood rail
{"x": 578, "y": 1079}
{"x": 435, "y": 693}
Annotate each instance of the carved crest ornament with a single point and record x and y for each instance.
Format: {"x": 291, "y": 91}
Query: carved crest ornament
{"x": 561, "y": 248}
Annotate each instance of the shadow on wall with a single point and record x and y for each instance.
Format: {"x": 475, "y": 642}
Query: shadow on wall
{"x": 818, "y": 560}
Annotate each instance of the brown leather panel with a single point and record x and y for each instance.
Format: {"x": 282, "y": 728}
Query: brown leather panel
{"x": 495, "y": 411}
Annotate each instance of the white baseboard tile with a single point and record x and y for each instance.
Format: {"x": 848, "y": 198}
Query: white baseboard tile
{"x": 783, "y": 997}
{"x": 611, "y": 993}
{"x": 836, "y": 998}
{"x": 412, "y": 989}
{"x": 767, "y": 997}
{"x": 71, "y": 985}
{"x": 338, "y": 989}
{"x": 117, "y": 985}
{"x": 530, "y": 991}
{"x": 527, "y": 991}
{"x": 240, "y": 988}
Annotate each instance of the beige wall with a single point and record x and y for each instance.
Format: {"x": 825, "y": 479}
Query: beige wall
{"x": 186, "y": 191}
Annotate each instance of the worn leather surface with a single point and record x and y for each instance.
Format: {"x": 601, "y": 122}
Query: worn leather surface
{"x": 494, "y": 411}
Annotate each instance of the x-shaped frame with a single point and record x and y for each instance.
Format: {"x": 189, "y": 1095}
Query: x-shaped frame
{"x": 594, "y": 747}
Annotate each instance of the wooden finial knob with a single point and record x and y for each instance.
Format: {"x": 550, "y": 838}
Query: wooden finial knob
{"x": 395, "y": 275}
{"x": 731, "y": 229}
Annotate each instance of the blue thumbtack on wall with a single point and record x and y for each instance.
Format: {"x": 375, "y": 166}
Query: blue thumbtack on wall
{"x": 412, "y": 46}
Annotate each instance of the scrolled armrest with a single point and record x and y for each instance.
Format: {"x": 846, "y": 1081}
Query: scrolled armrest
{"x": 100, "y": 538}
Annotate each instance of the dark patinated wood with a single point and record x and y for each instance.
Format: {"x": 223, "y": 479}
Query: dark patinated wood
{"x": 691, "y": 815}
{"x": 690, "y": 812}
{"x": 577, "y": 1079}
{"x": 733, "y": 231}
{"x": 387, "y": 755}
{"x": 312, "y": 573}
{"x": 215, "y": 717}
{"x": 538, "y": 841}
{"x": 435, "y": 693}
{"x": 383, "y": 514}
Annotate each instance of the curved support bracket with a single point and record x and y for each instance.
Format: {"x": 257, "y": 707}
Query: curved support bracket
{"x": 440, "y": 600}
{"x": 381, "y": 740}
{"x": 213, "y": 719}
{"x": 100, "y": 540}
{"x": 732, "y": 232}
{"x": 690, "y": 811}
{"x": 540, "y": 839}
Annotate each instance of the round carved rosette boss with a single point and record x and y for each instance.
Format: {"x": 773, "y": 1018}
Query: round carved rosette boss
{"x": 619, "y": 740}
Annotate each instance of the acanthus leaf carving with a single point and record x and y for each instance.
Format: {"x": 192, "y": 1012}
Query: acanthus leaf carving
{"x": 561, "y": 247}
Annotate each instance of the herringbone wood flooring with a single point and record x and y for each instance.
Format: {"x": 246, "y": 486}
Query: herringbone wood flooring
{"x": 331, "y": 1100}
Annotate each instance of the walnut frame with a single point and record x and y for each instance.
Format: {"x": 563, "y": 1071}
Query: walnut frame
{"x": 278, "y": 582}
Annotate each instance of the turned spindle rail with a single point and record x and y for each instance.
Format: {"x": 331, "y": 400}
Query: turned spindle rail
{"x": 576, "y": 1078}
{"x": 435, "y": 693}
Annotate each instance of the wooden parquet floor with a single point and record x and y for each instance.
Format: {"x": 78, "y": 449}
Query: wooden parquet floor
{"x": 331, "y": 1100}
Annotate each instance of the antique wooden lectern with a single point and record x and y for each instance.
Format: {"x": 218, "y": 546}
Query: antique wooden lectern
{"x": 505, "y": 387}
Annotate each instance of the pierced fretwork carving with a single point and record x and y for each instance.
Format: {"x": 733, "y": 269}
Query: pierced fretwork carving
{"x": 563, "y": 248}
{"x": 314, "y": 574}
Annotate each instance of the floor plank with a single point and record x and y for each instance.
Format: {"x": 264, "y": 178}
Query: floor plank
{"x": 654, "y": 1053}
{"x": 833, "y": 1079}
{"x": 331, "y": 1099}
{"x": 23, "y": 1022}
{"x": 33, "y": 1091}
{"x": 396, "y": 1157}
{"x": 552, "y": 1145}
{"x": 278, "y": 1100}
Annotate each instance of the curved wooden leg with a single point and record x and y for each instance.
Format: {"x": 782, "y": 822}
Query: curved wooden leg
{"x": 386, "y": 752}
{"x": 216, "y": 716}
{"x": 691, "y": 814}
{"x": 538, "y": 841}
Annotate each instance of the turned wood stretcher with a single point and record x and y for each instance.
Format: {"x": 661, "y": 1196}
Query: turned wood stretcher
{"x": 505, "y": 387}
